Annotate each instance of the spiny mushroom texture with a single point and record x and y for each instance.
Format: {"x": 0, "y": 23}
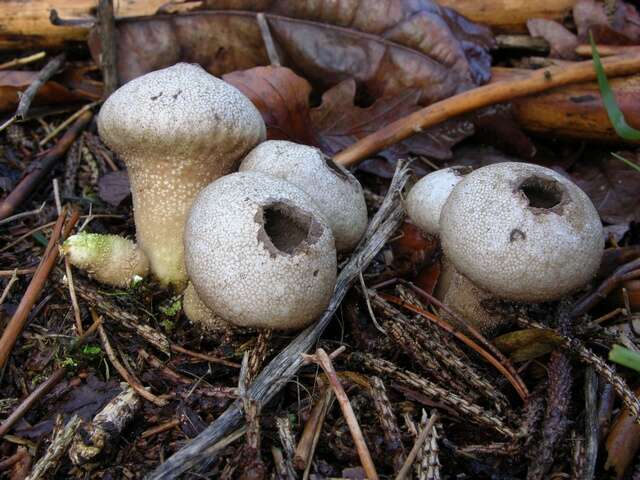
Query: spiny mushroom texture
{"x": 259, "y": 252}
{"x": 335, "y": 190}
{"x": 177, "y": 129}
{"x": 522, "y": 232}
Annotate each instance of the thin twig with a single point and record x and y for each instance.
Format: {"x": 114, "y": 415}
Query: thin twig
{"x": 7, "y": 288}
{"x": 108, "y": 46}
{"x": 416, "y": 448}
{"x": 470, "y": 100}
{"x": 23, "y": 61}
{"x": 47, "y": 465}
{"x": 54, "y": 133}
{"x": 17, "y": 216}
{"x": 322, "y": 359}
{"x": 19, "y": 320}
{"x": 124, "y": 373}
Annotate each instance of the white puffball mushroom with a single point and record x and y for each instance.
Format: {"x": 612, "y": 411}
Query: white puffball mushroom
{"x": 335, "y": 190}
{"x": 177, "y": 129}
{"x": 522, "y": 232}
{"x": 427, "y": 197}
{"x": 197, "y": 312}
{"x": 259, "y": 252}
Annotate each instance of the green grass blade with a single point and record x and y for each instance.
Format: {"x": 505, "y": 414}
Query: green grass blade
{"x": 613, "y": 111}
{"x": 624, "y": 356}
{"x": 629, "y": 163}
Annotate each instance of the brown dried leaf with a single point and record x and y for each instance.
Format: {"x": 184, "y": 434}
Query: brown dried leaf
{"x": 611, "y": 23}
{"x": 282, "y": 98}
{"x": 68, "y": 87}
{"x": 623, "y": 442}
{"x": 523, "y": 345}
{"x": 113, "y": 187}
{"x": 224, "y": 41}
{"x": 612, "y": 186}
{"x": 563, "y": 42}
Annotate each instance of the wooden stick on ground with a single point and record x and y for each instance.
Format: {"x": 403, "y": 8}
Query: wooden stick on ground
{"x": 416, "y": 448}
{"x": 323, "y": 360}
{"x": 536, "y": 81}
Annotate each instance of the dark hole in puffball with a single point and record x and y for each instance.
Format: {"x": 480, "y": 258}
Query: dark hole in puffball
{"x": 288, "y": 227}
{"x": 541, "y": 192}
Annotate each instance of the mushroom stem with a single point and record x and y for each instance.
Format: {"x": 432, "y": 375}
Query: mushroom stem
{"x": 110, "y": 259}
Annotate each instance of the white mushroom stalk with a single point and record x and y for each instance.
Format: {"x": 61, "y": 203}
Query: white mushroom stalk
{"x": 337, "y": 193}
{"x": 177, "y": 129}
{"x": 259, "y": 252}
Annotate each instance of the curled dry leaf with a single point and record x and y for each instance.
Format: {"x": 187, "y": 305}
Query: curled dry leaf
{"x": 623, "y": 442}
{"x": 612, "y": 186}
{"x": 68, "y": 87}
{"x": 283, "y": 100}
{"x": 523, "y": 345}
{"x": 326, "y": 54}
{"x": 611, "y": 23}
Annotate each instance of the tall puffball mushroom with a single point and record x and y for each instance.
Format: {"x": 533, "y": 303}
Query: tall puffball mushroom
{"x": 335, "y": 190}
{"x": 259, "y": 253}
{"x": 427, "y": 197}
{"x": 177, "y": 129}
{"x": 522, "y": 232}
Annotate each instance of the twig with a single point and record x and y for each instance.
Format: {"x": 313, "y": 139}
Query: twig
{"x": 47, "y": 465}
{"x": 72, "y": 295}
{"x": 108, "y": 46}
{"x": 416, "y": 448}
{"x": 17, "y": 216}
{"x": 605, "y": 288}
{"x": 13, "y": 459}
{"x": 7, "y": 288}
{"x": 322, "y": 359}
{"x": 284, "y": 366}
{"x": 267, "y": 38}
{"x": 163, "y": 427}
{"x": 19, "y": 271}
{"x": 28, "y": 95}
{"x": 501, "y": 91}
{"x": 45, "y": 386}
{"x": 45, "y": 163}
{"x": 125, "y": 374}
{"x": 202, "y": 356}
{"x": 23, "y": 61}
{"x": 53, "y": 133}
{"x": 311, "y": 433}
{"x": 95, "y": 436}
{"x": 592, "y": 436}
{"x": 20, "y": 317}
{"x": 428, "y": 467}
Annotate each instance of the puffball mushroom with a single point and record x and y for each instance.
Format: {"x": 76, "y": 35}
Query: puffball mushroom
{"x": 197, "y": 312}
{"x": 427, "y": 197}
{"x": 177, "y": 129}
{"x": 259, "y": 252}
{"x": 110, "y": 259}
{"x": 522, "y": 232}
{"x": 335, "y": 190}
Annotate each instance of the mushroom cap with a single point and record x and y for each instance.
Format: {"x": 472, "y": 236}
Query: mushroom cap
{"x": 259, "y": 253}
{"x": 522, "y": 232}
{"x": 179, "y": 110}
{"x": 427, "y": 197}
{"x": 335, "y": 190}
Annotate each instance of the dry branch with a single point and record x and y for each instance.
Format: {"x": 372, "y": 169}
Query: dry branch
{"x": 534, "y": 82}
{"x": 285, "y": 365}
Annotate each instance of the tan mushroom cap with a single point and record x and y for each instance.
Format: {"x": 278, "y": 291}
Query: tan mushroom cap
{"x": 427, "y": 197}
{"x": 522, "y": 232}
{"x": 177, "y": 129}
{"x": 335, "y": 190}
{"x": 259, "y": 253}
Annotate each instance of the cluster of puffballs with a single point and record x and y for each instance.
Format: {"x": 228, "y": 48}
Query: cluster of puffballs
{"x": 509, "y": 231}
{"x": 249, "y": 229}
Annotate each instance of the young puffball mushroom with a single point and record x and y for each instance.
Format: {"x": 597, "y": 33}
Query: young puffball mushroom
{"x": 521, "y": 232}
{"x": 197, "y": 312}
{"x": 177, "y": 129}
{"x": 427, "y": 197}
{"x": 335, "y": 190}
{"x": 259, "y": 252}
{"x": 109, "y": 259}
